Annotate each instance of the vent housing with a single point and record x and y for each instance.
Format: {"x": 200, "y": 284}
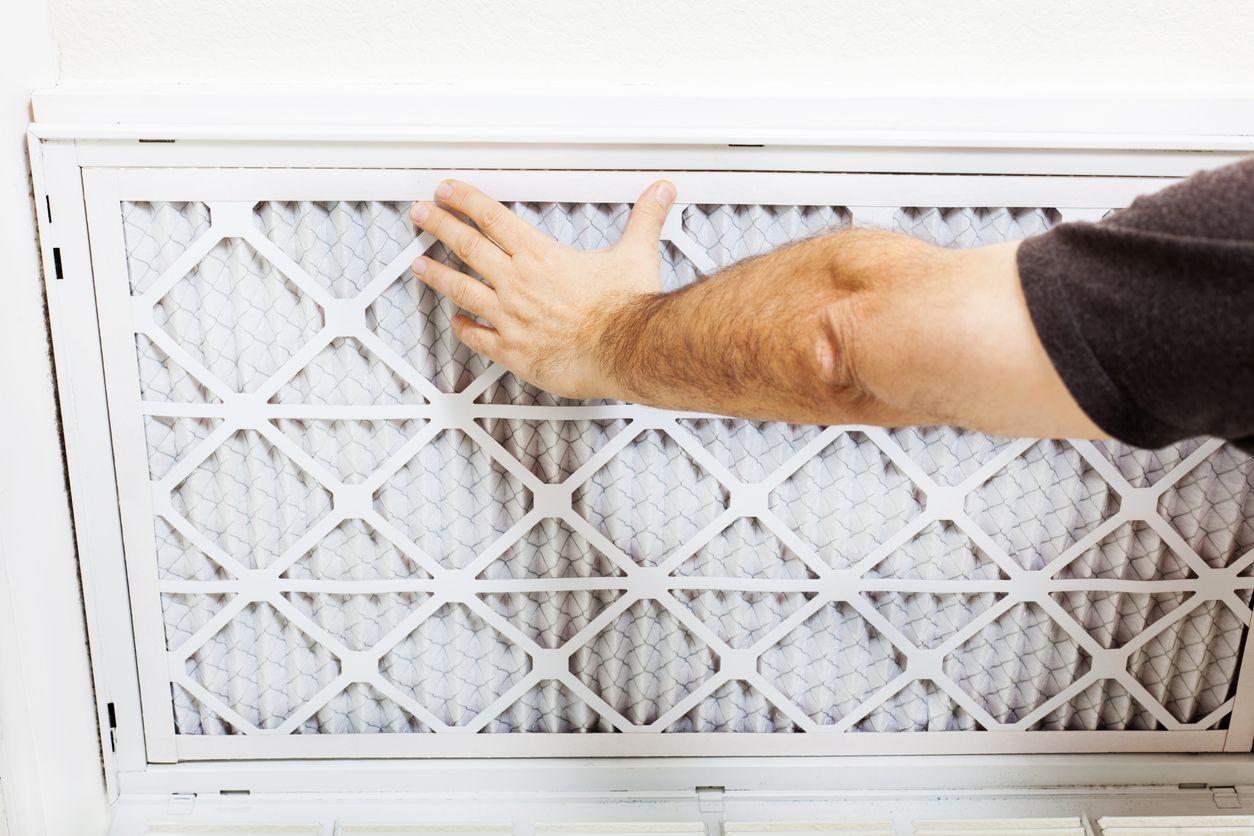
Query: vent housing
{"x": 345, "y": 538}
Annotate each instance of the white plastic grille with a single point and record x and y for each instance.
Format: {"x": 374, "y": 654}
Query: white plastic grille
{"x": 360, "y": 527}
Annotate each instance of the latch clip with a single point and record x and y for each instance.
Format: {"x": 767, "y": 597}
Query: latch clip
{"x": 1226, "y": 798}
{"x": 181, "y": 804}
{"x": 710, "y": 799}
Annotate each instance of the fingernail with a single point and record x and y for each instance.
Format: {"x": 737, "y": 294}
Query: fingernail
{"x": 420, "y": 212}
{"x": 664, "y": 194}
{"x": 420, "y": 266}
{"x": 444, "y": 191}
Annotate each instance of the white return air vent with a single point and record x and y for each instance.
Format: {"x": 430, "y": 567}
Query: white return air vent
{"x": 347, "y": 535}
{"x": 343, "y": 536}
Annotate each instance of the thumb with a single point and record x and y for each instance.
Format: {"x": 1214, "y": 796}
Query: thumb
{"x": 644, "y": 227}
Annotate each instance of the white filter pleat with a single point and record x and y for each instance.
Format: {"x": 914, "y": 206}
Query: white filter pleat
{"x": 251, "y": 500}
{"x": 733, "y": 233}
{"x": 552, "y": 450}
{"x": 157, "y": 234}
{"x": 350, "y": 450}
{"x": 741, "y": 619}
{"x": 452, "y": 499}
{"x": 161, "y": 378}
{"x": 261, "y": 666}
{"x": 751, "y": 450}
{"x": 1016, "y": 663}
{"x": 1042, "y": 503}
{"x": 416, "y": 322}
{"x": 549, "y": 708}
{"x": 455, "y": 665}
{"x": 746, "y": 549}
{"x": 341, "y": 245}
{"x": 550, "y": 551}
{"x": 846, "y": 500}
{"x": 734, "y": 707}
{"x": 940, "y": 552}
{"x": 921, "y": 706}
{"x": 1131, "y": 552}
{"x": 353, "y": 551}
{"x": 551, "y": 619}
{"x": 345, "y": 372}
{"x": 973, "y": 227}
{"x": 644, "y": 663}
{"x": 1212, "y": 506}
{"x": 651, "y": 498}
{"x": 832, "y": 663}
{"x": 237, "y": 315}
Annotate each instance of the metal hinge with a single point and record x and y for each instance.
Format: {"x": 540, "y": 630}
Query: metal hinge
{"x": 181, "y": 803}
{"x": 1226, "y": 798}
{"x": 710, "y": 799}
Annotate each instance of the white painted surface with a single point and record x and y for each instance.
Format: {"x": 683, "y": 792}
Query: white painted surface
{"x": 590, "y": 113}
{"x": 939, "y": 45}
{"x": 683, "y": 813}
{"x": 49, "y": 755}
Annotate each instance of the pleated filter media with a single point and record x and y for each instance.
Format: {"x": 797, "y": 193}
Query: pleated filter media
{"x": 359, "y": 527}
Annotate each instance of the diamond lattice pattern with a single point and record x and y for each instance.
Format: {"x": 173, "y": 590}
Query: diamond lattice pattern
{"x": 367, "y": 558}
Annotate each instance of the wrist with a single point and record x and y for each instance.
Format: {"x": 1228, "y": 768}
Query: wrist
{"x": 616, "y": 344}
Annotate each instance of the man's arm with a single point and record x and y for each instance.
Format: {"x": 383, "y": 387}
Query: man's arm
{"x": 858, "y": 326}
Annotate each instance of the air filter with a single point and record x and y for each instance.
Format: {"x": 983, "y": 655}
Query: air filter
{"x": 343, "y": 525}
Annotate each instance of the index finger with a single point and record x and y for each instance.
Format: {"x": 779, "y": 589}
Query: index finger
{"x": 509, "y": 231}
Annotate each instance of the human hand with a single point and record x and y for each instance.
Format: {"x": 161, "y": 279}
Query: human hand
{"x": 543, "y": 306}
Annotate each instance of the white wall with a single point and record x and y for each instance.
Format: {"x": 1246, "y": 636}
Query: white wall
{"x": 49, "y": 753}
{"x": 935, "y": 42}
{"x": 54, "y": 787}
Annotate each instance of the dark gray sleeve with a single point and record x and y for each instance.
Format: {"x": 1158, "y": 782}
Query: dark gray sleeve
{"x": 1148, "y": 315}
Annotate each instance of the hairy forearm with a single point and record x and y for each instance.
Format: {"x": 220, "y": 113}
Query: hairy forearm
{"x": 762, "y": 339}
{"x": 855, "y": 327}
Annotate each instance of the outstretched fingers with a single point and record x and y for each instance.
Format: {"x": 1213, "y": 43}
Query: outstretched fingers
{"x": 467, "y": 293}
{"x": 478, "y": 337}
{"x": 465, "y": 242}
{"x": 508, "y": 230}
